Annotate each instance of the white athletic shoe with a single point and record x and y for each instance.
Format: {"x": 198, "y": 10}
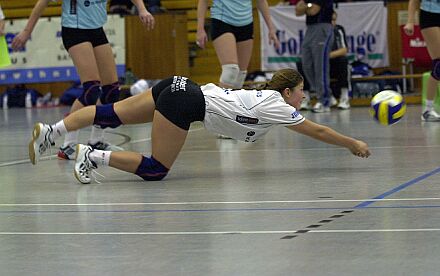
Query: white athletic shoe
{"x": 305, "y": 104}
{"x": 67, "y": 152}
{"x": 139, "y": 87}
{"x": 41, "y": 140}
{"x": 430, "y": 116}
{"x": 333, "y": 101}
{"x": 344, "y": 103}
{"x": 320, "y": 108}
{"x": 83, "y": 165}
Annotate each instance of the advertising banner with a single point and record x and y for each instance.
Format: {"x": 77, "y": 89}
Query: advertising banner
{"x": 365, "y": 24}
{"x": 44, "y": 58}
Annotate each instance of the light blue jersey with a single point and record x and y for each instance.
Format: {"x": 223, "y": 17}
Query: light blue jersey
{"x": 430, "y": 6}
{"x": 84, "y": 14}
{"x": 234, "y": 12}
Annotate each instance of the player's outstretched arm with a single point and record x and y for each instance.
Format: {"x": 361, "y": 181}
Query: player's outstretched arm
{"x": 330, "y": 136}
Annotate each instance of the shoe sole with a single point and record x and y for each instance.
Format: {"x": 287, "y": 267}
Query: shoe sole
{"x": 35, "y": 134}
{"x": 430, "y": 120}
{"x": 74, "y": 171}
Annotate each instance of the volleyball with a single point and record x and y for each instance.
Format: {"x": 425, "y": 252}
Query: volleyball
{"x": 387, "y": 107}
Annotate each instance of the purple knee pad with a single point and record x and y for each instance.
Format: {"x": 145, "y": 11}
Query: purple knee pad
{"x": 436, "y": 69}
{"x": 105, "y": 116}
{"x": 110, "y": 93}
{"x": 151, "y": 170}
{"x": 91, "y": 93}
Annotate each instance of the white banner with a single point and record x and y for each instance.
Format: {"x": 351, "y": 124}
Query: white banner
{"x": 365, "y": 25}
{"x": 44, "y": 58}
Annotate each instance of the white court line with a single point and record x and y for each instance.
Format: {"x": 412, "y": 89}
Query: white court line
{"x": 24, "y": 161}
{"x": 215, "y": 202}
{"x": 222, "y": 232}
{"x": 375, "y": 230}
{"x": 48, "y": 157}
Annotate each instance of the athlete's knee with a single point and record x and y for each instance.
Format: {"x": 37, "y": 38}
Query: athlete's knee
{"x": 151, "y": 170}
{"x": 105, "y": 116}
{"x": 91, "y": 93}
{"x": 436, "y": 69}
{"x": 110, "y": 93}
{"x": 229, "y": 74}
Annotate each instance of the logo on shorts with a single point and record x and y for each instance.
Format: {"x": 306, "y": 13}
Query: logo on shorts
{"x": 87, "y": 3}
{"x": 250, "y": 133}
{"x": 179, "y": 84}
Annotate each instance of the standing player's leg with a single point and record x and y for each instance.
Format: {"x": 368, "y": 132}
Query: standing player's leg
{"x": 83, "y": 58}
{"x": 244, "y": 53}
{"x": 432, "y": 39}
{"x": 245, "y": 42}
{"x": 226, "y": 50}
{"x": 110, "y": 91}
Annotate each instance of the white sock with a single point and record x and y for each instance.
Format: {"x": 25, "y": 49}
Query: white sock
{"x": 429, "y": 104}
{"x": 96, "y": 135}
{"x": 71, "y": 138}
{"x": 100, "y": 157}
{"x": 59, "y": 129}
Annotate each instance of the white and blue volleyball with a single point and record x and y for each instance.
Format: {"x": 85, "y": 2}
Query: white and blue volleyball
{"x": 387, "y": 107}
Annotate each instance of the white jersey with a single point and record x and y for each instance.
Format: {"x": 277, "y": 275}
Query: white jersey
{"x": 246, "y": 115}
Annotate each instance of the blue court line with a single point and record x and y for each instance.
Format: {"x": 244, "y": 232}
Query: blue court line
{"x": 217, "y": 210}
{"x": 399, "y": 188}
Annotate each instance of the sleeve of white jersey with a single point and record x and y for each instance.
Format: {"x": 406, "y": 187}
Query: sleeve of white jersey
{"x": 277, "y": 112}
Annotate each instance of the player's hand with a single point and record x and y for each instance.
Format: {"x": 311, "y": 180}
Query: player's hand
{"x": 409, "y": 28}
{"x": 147, "y": 19}
{"x": 360, "y": 149}
{"x": 20, "y": 40}
{"x": 202, "y": 38}
{"x": 273, "y": 39}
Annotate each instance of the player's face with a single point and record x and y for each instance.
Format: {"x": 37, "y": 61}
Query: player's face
{"x": 296, "y": 96}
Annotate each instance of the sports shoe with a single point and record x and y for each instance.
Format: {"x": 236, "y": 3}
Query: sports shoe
{"x": 67, "y": 152}
{"x": 102, "y": 145}
{"x": 333, "y": 101}
{"x": 344, "y": 103}
{"x": 320, "y": 108}
{"x": 305, "y": 104}
{"x": 430, "y": 116}
{"x": 83, "y": 165}
{"x": 139, "y": 87}
{"x": 40, "y": 142}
